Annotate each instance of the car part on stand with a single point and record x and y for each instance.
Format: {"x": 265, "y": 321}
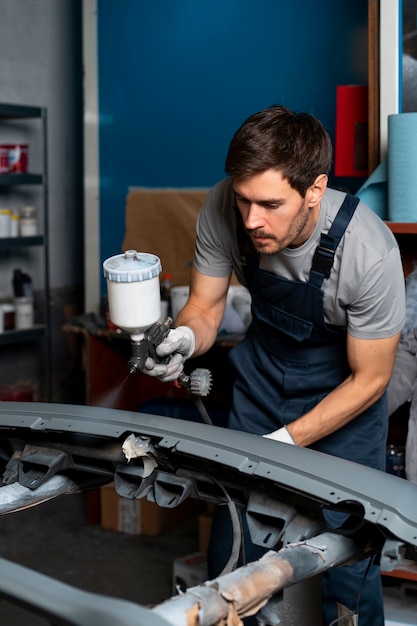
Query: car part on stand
{"x": 283, "y": 491}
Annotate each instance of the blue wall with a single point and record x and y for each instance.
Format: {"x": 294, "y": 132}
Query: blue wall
{"x": 177, "y": 77}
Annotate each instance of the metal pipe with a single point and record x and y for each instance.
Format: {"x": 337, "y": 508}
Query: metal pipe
{"x": 246, "y": 590}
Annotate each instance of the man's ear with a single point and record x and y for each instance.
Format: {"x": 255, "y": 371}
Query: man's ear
{"x": 317, "y": 190}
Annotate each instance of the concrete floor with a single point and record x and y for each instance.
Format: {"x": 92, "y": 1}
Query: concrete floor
{"x": 55, "y": 539}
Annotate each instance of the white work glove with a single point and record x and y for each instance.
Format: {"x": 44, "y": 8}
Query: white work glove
{"x": 281, "y": 434}
{"x": 179, "y": 344}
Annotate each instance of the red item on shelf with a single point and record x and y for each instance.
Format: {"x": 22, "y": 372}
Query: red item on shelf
{"x": 13, "y": 158}
{"x": 351, "y": 143}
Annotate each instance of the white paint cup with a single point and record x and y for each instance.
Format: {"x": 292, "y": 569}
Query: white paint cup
{"x": 133, "y": 291}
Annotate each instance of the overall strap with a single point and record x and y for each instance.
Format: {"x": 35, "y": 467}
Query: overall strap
{"x": 324, "y": 255}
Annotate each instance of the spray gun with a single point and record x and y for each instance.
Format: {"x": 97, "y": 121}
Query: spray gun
{"x": 146, "y": 347}
{"x": 135, "y": 306}
{"x": 198, "y": 382}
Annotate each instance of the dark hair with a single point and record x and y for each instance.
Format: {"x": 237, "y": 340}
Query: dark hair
{"x": 296, "y": 144}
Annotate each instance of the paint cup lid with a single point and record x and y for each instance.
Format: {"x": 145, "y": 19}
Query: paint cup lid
{"x": 132, "y": 267}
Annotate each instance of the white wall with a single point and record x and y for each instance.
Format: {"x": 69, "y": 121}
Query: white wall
{"x": 40, "y": 64}
{"x": 91, "y": 151}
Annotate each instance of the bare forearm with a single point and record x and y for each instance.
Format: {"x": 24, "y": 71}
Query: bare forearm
{"x": 338, "y": 408}
{"x": 204, "y": 310}
{"x": 371, "y": 363}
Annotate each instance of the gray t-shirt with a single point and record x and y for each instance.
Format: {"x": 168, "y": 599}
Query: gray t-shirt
{"x": 365, "y": 291}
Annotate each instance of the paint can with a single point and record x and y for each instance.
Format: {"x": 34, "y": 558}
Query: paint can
{"x": 14, "y": 158}
{"x": 24, "y": 312}
{"x": 7, "y": 316}
{"x": 28, "y": 222}
{"x": 5, "y": 222}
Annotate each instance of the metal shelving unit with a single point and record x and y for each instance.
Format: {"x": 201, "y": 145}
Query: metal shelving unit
{"x": 39, "y": 332}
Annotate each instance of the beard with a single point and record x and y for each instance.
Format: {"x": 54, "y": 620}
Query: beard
{"x": 272, "y": 245}
{"x": 293, "y": 237}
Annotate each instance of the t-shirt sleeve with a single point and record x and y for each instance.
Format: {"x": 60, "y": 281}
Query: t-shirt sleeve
{"x": 213, "y": 239}
{"x": 378, "y": 310}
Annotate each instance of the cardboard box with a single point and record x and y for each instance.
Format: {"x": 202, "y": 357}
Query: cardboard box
{"x": 205, "y": 521}
{"x": 162, "y": 221}
{"x": 140, "y": 517}
{"x": 189, "y": 571}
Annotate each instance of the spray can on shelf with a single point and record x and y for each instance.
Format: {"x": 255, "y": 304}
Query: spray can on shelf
{"x": 15, "y": 225}
{"x": 22, "y": 284}
{"x": 23, "y": 300}
{"x": 5, "y": 222}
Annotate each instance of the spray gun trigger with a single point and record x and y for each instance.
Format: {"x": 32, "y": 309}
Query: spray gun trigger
{"x": 155, "y": 335}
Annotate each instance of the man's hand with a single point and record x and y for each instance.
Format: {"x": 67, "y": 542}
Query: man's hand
{"x": 179, "y": 345}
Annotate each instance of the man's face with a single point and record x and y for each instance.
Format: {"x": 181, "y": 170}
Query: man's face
{"x": 274, "y": 214}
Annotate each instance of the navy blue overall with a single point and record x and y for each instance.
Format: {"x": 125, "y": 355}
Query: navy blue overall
{"x": 290, "y": 360}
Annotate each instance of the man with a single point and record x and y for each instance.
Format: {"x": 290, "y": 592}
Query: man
{"x": 327, "y": 290}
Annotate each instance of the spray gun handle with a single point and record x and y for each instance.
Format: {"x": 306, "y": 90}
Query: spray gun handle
{"x": 199, "y": 382}
{"x": 155, "y": 335}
